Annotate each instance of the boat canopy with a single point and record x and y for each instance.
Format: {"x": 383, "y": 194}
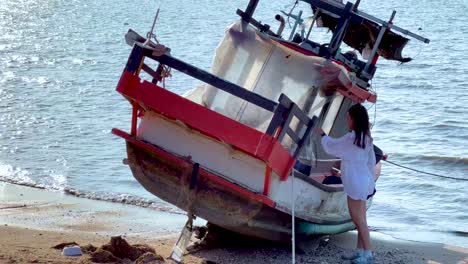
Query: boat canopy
{"x": 258, "y": 63}
{"x": 362, "y": 35}
{"x": 359, "y": 30}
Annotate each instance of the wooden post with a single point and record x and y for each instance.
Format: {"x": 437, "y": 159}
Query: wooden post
{"x": 135, "y": 61}
{"x": 266, "y": 184}
{"x": 374, "y": 56}
{"x": 249, "y": 11}
{"x": 133, "y": 130}
{"x": 340, "y": 30}
{"x": 356, "y": 4}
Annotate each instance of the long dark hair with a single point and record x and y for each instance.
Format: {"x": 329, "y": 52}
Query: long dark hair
{"x": 360, "y": 124}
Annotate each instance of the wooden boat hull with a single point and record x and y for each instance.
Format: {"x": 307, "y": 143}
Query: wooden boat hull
{"x": 162, "y": 175}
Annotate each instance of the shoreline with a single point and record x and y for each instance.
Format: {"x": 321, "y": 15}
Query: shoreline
{"x": 34, "y": 220}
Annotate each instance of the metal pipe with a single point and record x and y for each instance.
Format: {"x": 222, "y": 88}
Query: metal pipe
{"x": 150, "y": 34}
{"x": 280, "y": 18}
{"x": 319, "y": 229}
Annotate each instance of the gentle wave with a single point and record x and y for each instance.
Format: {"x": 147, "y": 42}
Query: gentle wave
{"x": 124, "y": 199}
{"x": 450, "y": 125}
{"x": 460, "y": 233}
{"x": 390, "y": 231}
{"x": 108, "y": 197}
{"x": 454, "y": 160}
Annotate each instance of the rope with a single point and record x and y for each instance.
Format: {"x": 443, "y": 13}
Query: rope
{"x": 166, "y": 72}
{"x": 401, "y": 166}
{"x": 293, "y": 236}
{"x": 158, "y": 49}
{"x": 428, "y": 173}
{"x": 374, "y": 104}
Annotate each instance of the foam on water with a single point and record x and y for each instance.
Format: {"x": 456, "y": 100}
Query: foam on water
{"x": 11, "y": 174}
{"x": 57, "y": 182}
{"x": 126, "y": 199}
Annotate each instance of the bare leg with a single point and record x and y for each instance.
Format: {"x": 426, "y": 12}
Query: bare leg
{"x": 359, "y": 242}
{"x": 353, "y": 213}
{"x": 357, "y": 210}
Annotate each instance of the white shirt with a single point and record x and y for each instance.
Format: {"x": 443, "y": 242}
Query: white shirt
{"x": 357, "y": 164}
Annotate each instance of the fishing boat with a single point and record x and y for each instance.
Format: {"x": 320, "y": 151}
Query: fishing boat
{"x": 239, "y": 150}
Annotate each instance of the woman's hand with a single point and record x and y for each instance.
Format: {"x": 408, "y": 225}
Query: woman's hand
{"x": 335, "y": 172}
{"x": 319, "y": 131}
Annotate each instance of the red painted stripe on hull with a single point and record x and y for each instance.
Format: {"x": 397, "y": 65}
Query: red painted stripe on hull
{"x": 184, "y": 163}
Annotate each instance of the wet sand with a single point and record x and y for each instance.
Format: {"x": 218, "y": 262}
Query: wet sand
{"x": 32, "y": 221}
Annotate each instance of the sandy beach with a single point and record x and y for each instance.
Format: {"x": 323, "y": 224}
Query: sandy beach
{"x": 33, "y": 221}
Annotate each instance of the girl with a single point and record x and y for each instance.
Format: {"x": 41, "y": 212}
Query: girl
{"x": 357, "y": 173}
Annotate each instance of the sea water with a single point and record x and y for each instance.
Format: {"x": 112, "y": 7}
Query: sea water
{"x": 61, "y": 60}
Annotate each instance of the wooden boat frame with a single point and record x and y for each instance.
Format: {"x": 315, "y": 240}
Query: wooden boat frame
{"x": 182, "y": 182}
